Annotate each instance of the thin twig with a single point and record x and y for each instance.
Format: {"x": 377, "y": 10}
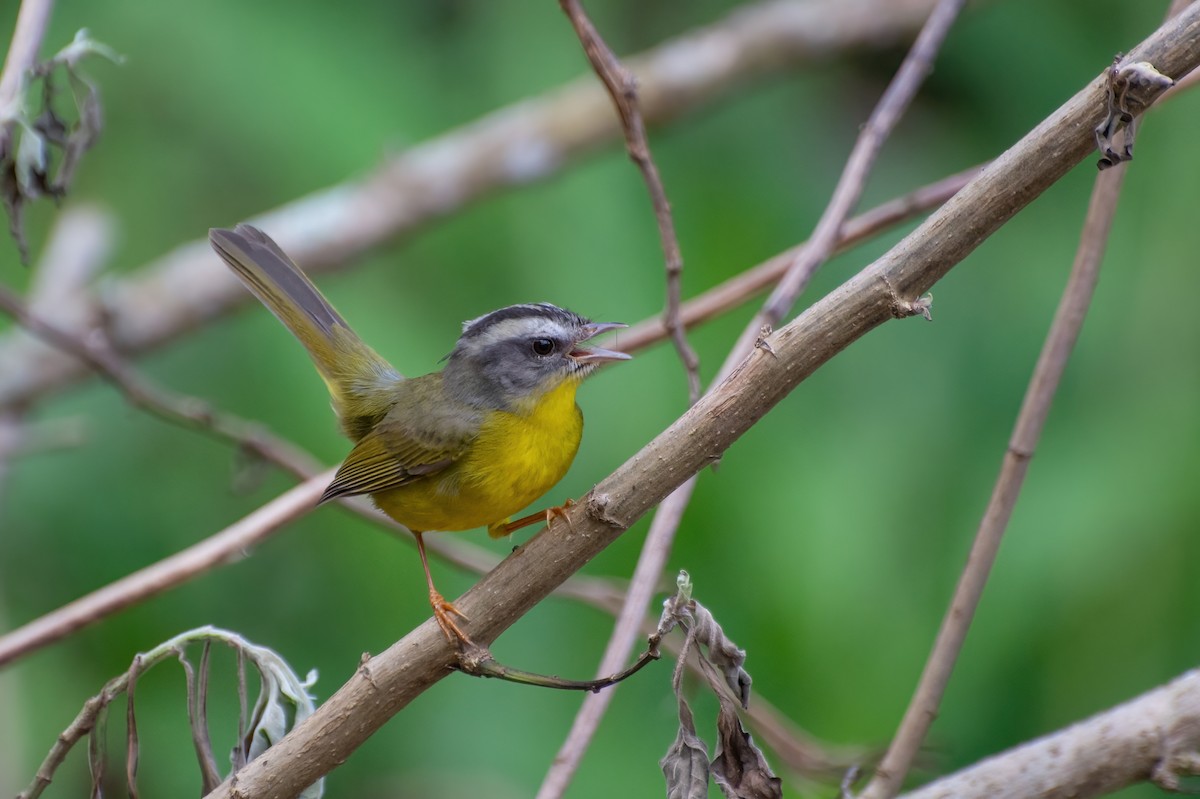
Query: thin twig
{"x": 741, "y": 287}
{"x": 514, "y": 146}
{"x": 478, "y": 661}
{"x": 1064, "y": 332}
{"x": 820, "y": 246}
{"x": 621, "y": 86}
{"x": 132, "y": 750}
{"x": 177, "y": 409}
{"x": 223, "y": 547}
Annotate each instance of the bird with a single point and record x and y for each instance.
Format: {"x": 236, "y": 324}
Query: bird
{"x": 456, "y": 449}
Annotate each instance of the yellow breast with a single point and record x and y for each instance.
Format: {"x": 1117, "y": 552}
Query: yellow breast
{"x": 516, "y": 458}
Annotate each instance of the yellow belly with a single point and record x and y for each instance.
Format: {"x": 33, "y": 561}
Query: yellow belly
{"x": 516, "y": 458}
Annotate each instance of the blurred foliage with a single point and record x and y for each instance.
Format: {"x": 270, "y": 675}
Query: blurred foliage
{"x": 831, "y": 536}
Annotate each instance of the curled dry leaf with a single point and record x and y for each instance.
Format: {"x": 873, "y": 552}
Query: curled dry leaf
{"x": 1127, "y": 85}
{"x": 283, "y": 702}
{"x": 683, "y": 610}
{"x": 739, "y": 768}
{"x": 30, "y": 137}
{"x": 685, "y": 765}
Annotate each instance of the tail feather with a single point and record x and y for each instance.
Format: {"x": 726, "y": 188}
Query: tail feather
{"x": 357, "y": 377}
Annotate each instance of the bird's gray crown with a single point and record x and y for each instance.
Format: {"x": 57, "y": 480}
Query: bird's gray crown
{"x": 473, "y": 328}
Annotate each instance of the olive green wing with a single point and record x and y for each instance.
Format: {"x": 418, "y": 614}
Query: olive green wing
{"x": 423, "y": 434}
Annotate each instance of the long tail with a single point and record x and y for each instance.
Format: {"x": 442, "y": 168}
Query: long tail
{"x": 357, "y": 377}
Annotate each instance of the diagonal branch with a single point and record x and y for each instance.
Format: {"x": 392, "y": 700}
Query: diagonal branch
{"x": 1155, "y": 736}
{"x": 385, "y": 684}
{"x": 1031, "y": 419}
{"x": 741, "y": 287}
{"x": 896, "y": 98}
{"x": 1043, "y": 384}
{"x": 795, "y": 275}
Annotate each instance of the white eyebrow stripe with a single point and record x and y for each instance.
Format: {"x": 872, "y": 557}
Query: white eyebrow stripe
{"x": 529, "y": 327}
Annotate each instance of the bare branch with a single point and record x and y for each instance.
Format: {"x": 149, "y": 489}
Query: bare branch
{"x": 1153, "y": 737}
{"x": 223, "y": 547}
{"x": 388, "y": 682}
{"x": 514, "y": 146}
{"x": 622, "y": 88}
{"x": 1031, "y": 419}
{"x": 886, "y": 114}
{"x": 177, "y": 409}
{"x": 741, "y": 287}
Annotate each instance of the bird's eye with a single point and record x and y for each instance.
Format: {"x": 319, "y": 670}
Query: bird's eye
{"x": 542, "y": 346}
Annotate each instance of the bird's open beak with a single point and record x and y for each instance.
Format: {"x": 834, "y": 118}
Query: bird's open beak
{"x": 581, "y": 354}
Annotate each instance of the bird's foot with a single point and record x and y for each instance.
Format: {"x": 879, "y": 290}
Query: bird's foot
{"x": 548, "y": 515}
{"x": 444, "y": 613}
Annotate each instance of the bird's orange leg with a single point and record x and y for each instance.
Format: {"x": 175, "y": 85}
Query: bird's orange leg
{"x": 443, "y": 611}
{"x": 548, "y": 515}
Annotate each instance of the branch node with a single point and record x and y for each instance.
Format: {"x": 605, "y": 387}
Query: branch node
{"x": 596, "y": 506}
{"x": 1131, "y": 88}
{"x": 902, "y": 308}
{"x": 1167, "y": 772}
{"x": 364, "y": 668}
{"x": 761, "y": 343}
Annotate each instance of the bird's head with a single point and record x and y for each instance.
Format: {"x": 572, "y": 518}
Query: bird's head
{"x": 513, "y": 355}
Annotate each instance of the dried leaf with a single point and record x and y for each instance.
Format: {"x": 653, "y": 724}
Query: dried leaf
{"x": 272, "y": 725}
{"x": 31, "y": 164}
{"x": 723, "y": 653}
{"x": 32, "y": 134}
{"x": 238, "y": 756}
{"x": 14, "y": 206}
{"x": 685, "y": 767}
{"x": 131, "y": 733}
{"x": 197, "y": 696}
{"x": 283, "y": 702}
{"x": 82, "y": 46}
{"x": 98, "y": 750}
{"x": 739, "y": 768}
{"x": 83, "y": 134}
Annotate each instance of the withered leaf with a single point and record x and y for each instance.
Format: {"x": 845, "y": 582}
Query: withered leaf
{"x": 685, "y": 765}
{"x": 739, "y": 768}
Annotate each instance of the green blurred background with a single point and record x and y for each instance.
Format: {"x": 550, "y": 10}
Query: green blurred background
{"x": 829, "y": 540}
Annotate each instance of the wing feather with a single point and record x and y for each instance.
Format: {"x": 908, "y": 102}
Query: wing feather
{"x": 422, "y": 435}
